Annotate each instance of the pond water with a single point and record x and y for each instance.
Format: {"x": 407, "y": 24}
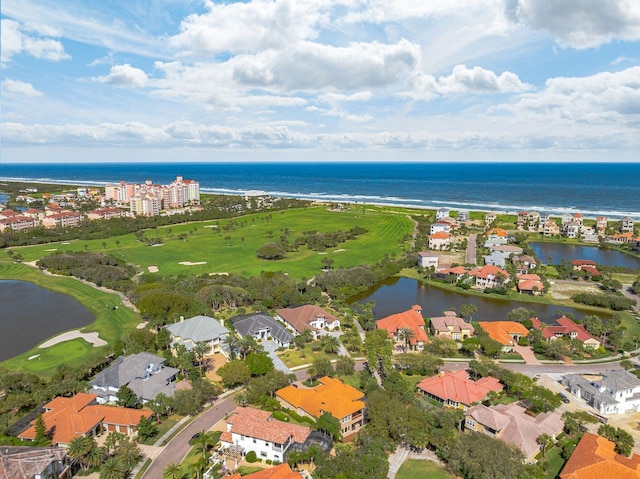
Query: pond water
{"x": 559, "y": 251}
{"x": 394, "y": 295}
{"x": 30, "y": 314}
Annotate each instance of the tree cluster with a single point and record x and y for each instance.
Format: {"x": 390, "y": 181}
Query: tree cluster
{"x": 604, "y": 300}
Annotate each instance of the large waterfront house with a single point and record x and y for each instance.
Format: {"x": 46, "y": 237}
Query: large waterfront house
{"x": 567, "y": 328}
{"x": 489, "y": 276}
{"x": 199, "y": 329}
{"x": 250, "y": 429}
{"x": 451, "y": 326}
{"x": 310, "y": 317}
{"x": 612, "y": 392}
{"x": 455, "y": 389}
{"x": 513, "y": 425}
{"x": 342, "y": 401}
{"x": 427, "y": 259}
{"x": 144, "y": 373}
{"x": 406, "y": 328}
{"x": 440, "y": 240}
{"x": 81, "y": 415}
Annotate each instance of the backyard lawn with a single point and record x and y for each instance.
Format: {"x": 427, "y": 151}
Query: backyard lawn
{"x": 209, "y": 247}
{"x": 420, "y": 469}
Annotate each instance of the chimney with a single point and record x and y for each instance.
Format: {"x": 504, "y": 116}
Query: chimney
{"x": 181, "y": 319}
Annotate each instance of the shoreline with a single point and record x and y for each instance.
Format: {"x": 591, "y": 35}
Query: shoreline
{"x": 379, "y": 201}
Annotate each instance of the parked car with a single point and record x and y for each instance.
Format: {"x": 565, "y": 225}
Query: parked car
{"x": 564, "y": 398}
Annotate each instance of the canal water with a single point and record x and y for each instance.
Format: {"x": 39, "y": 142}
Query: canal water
{"x": 607, "y": 257}
{"x": 395, "y": 294}
{"x": 30, "y": 314}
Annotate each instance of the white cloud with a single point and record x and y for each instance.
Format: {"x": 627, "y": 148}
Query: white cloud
{"x": 16, "y": 41}
{"x": 124, "y": 76}
{"x": 10, "y": 86}
{"x": 479, "y": 80}
{"x": 598, "y": 99}
{"x": 582, "y": 23}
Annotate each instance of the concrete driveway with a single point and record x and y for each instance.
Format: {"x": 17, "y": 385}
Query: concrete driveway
{"x": 270, "y": 347}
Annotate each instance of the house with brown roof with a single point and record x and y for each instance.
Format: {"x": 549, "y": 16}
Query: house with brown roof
{"x": 524, "y": 263}
{"x": 105, "y": 214}
{"x": 22, "y": 462}
{"x": 490, "y": 218}
{"x": 601, "y": 224}
{"x": 455, "y": 389}
{"x": 513, "y": 425}
{"x": 489, "y": 276}
{"x": 458, "y": 272}
{"x": 594, "y": 458}
{"x": 81, "y": 415}
{"x": 283, "y": 471}
{"x": 451, "y": 326}
{"x": 62, "y": 219}
{"x": 507, "y": 333}
{"x": 565, "y": 327}
{"x": 251, "y": 429}
{"x": 308, "y": 316}
{"x": 342, "y": 401}
{"x": 408, "y": 320}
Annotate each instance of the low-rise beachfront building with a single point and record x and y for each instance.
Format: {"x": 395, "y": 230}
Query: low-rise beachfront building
{"x": 496, "y": 236}
{"x": 342, "y": 401}
{"x": 455, "y": 389}
{"x": 550, "y": 228}
{"x": 451, "y": 326}
{"x": 310, "y": 317}
{"x": 507, "y": 333}
{"x": 440, "y": 240}
{"x": 439, "y": 226}
{"x": 626, "y": 224}
{"x": 427, "y": 259}
{"x": 601, "y": 224}
{"x": 442, "y": 213}
{"x": 406, "y": 328}
{"x": 490, "y": 218}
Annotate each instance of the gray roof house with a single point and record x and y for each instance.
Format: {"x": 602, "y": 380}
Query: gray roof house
{"x": 199, "y": 329}
{"x": 260, "y": 326}
{"x": 144, "y": 373}
{"x": 613, "y": 392}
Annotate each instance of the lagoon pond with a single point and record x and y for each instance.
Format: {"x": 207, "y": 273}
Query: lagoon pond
{"x": 30, "y": 314}
{"x": 396, "y": 294}
{"x": 557, "y": 252}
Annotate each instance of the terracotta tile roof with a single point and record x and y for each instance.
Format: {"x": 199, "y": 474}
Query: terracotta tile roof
{"x": 594, "y": 458}
{"x": 301, "y": 316}
{"x": 411, "y": 319}
{"x": 440, "y": 235}
{"x": 591, "y": 269}
{"x": 332, "y": 395}
{"x": 283, "y": 471}
{"x": 503, "y": 331}
{"x": 259, "y": 424}
{"x": 583, "y": 262}
{"x": 497, "y": 232}
{"x": 487, "y": 270}
{"x": 456, "y": 386}
{"x": 566, "y": 326}
{"x": 69, "y": 418}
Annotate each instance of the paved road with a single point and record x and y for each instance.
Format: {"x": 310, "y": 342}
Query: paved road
{"x": 471, "y": 250}
{"x": 179, "y": 445}
{"x": 533, "y": 369}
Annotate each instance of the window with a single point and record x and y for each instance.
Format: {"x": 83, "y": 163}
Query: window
{"x": 263, "y": 454}
{"x": 254, "y": 441}
{"x": 470, "y": 422}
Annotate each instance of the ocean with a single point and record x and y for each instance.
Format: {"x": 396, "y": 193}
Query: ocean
{"x": 611, "y": 189}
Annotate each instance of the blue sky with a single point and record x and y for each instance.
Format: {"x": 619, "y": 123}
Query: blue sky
{"x": 182, "y": 80}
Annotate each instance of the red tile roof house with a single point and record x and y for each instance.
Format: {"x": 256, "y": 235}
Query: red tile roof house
{"x": 507, "y": 333}
{"x": 255, "y": 430}
{"x": 594, "y": 458}
{"x": 489, "y": 276}
{"x": 567, "y": 328}
{"x": 455, "y": 389}
{"x": 80, "y": 415}
{"x": 530, "y": 284}
{"x": 585, "y": 265}
{"x": 411, "y": 319}
{"x": 511, "y": 424}
{"x": 458, "y": 271}
{"x": 307, "y": 317}
{"x": 451, "y": 326}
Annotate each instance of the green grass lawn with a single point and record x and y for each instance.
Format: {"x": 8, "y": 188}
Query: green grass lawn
{"x": 234, "y": 251}
{"x": 110, "y": 323}
{"x": 298, "y": 357}
{"x": 419, "y": 469}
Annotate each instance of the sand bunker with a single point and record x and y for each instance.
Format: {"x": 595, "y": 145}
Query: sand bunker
{"x": 153, "y": 269}
{"x": 212, "y": 226}
{"x": 52, "y": 249}
{"x": 157, "y": 244}
{"x": 189, "y": 263}
{"x": 223, "y": 273}
{"x": 88, "y": 337}
{"x": 339, "y": 250}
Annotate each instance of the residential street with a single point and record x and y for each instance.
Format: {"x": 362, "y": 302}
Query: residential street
{"x": 471, "y": 249}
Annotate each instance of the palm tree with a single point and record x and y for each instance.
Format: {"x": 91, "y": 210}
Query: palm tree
{"x": 200, "y": 350}
{"x": 94, "y": 456}
{"x": 112, "y": 469}
{"x": 173, "y": 471}
{"x": 231, "y": 343}
{"x": 79, "y": 448}
{"x": 330, "y": 344}
{"x": 405, "y": 334}
{"x": 545, "y": 441}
